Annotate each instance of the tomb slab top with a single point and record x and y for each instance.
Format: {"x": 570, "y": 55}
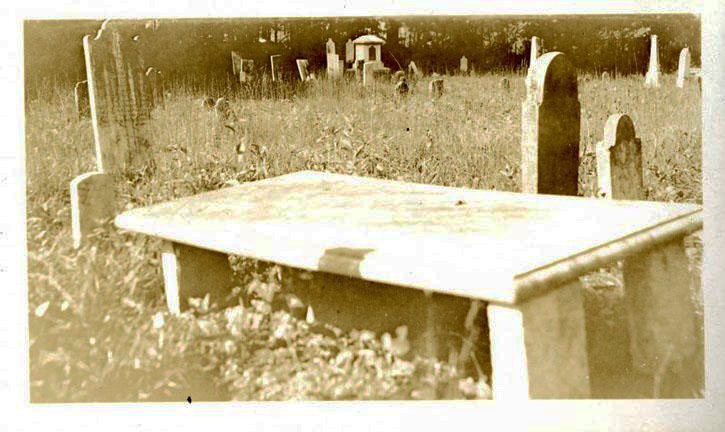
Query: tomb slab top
{"x": 495, "y": 246}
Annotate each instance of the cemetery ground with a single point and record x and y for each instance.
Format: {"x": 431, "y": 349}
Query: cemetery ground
{"x": 98, "y": 326}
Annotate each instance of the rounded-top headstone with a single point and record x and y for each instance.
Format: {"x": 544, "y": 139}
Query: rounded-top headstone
{"x": 550, "y": 128}
{"x": 619, "y": 160}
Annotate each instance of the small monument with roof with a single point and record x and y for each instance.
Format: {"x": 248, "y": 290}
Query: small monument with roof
{"x": 368, "y": 53}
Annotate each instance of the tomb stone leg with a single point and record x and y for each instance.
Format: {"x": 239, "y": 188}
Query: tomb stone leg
{"x": 538, "y": 347}
{"x": 662, "y": 320}
{"x": 193, "y": 272}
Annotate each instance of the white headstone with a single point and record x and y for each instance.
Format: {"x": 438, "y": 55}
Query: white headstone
{"x": 464, "y": 65}
{"x": 413, "y": 70}
{"x": 619, "y": 161}
{"x": 683, "y": 69}
{"x": 236, "y": 64}
{"x": 333, "y": 61}
{"x": 349, "y": 51}
{"x": 653, "y": 72}
{"x": 93, "y": 203}
{"x": 246, "y": 72}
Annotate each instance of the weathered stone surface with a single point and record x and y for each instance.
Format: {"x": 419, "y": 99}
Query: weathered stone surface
{"x": 550, "y": 129}
{"x": 93, "y": 204}
{"x": 538, "y": 348}
{"x": 619, "y": 160}
{"x": 80, "y": 93}
{"x": 533, "y": 57}
{"x": 349, "y": 51}
{"x": 662, "y": 320}
{"x": 436, "y": 88}
{"x": 413, "y": 71}
{"x": 464, "y": 65}
{"x": 333, "y": 61}
{"x": 683, "y": 69}
{"x": 276, "y": 65}
{"x": 370, "y": 69}
{"x": 652, "y": 79}
{"x": 247, "y": 72}
{"x": 118, "y": 93}
{"x": 236, "y": 64}
{"x": 302, "y": 65}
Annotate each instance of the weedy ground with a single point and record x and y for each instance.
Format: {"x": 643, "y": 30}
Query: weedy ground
{"x": 98, "y": 329}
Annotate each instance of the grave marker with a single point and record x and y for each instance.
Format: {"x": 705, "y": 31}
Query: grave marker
{"x": 550, "y": 129}
{"x": 118, "y": 94}
{"x": 652, "y": 79}
{"x": 505, "y": 84}
{"x": 83, "y": 108}
{"x": 605, "y": 76}
{"x": 236, "y": 64}
{"x": 464, "y": 65}
{"x": 683, "y": 69}
{"x": 247, "y": 70}
{"x": 619, "y": 161}
{"x": 302, "y": 65}
{"x": 154, "y": 89}
{"x": 276, "y": 63}
{"x": 333, "y": 61}
{"x": 436, "y": 88}
{"x": 349, "y": 51}
{"x": 370, "y": 69}
{"x": 93, "y": 204}
{"x": 413, "y": 71}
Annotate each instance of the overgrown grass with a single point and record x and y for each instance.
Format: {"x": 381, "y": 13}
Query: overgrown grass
{"x": 98, "y": 326}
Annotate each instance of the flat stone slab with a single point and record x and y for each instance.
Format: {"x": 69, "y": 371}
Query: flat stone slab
{"x": 495, "y": 246}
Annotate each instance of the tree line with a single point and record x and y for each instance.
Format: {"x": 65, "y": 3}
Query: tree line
{"x": 197, "y": 51}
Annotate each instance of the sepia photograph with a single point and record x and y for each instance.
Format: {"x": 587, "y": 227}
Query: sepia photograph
{"x": 356, "y": 208}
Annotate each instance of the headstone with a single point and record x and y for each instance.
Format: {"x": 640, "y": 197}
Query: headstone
{"x": 652, "y": 79}
{"x": 370, "y": 69}
{"x": 83, "y": 108}
{"x": 533, "y": 56}
{"x": 118, "y": 96}
{"x": 605, "y": 76}
{"x": 349, "y": 51}
{"x": 276, "y": 63}
{"x": 683, "y": 69}
{"x": 619, "y": 161}
{"x": 550, "y": 129}
{"x": 505, "y": 84}
{"x": 236, "y": 64}
{"x": 333, "y": 61}
{"x": 302, "y": 65}
{"x": 398, "y": 76}
{"x": 93, "y": 203}
{"x": 401, "y": 87}
{"x": 247, "y": 70}
{"x": 413, "y": 70}
{"x": 436, "y": 88}
{"x": 464, "y": 65}
{"x": 154, "y": 88}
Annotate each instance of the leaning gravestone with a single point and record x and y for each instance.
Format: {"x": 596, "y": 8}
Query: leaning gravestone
{"x": 652, "y": 79}
{"x": 550, "y": 129}
{"x": 683, "y": 69}
{"x": 413, "y": 71}
{"x": 302, "y": 65}
{"x": 93, "y": 203}
{"x": 83, "y": 108}
{"x": 118, "y": 94}
{"x": 619, "y": 161}
{"x": 276, "y": 64}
